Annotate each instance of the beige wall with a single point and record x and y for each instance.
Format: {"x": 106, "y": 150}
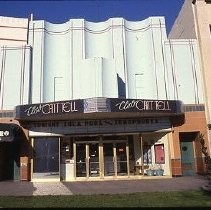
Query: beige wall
{"x": 13, "y": 31}
{"x": 202, "y": 13}
{"x": 194, "y": 122}
{"x": 183, "y": 27}
{"x": 196, "y": 15}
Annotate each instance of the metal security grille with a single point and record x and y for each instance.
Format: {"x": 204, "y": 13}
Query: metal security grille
{"x": 194, "y": 107}
{"x": 7, "y": 114}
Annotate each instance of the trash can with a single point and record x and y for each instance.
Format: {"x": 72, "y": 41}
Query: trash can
{"x": 69, "y": 169}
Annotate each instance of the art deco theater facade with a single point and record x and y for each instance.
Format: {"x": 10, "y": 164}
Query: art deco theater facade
{"x": 98, "y": 101}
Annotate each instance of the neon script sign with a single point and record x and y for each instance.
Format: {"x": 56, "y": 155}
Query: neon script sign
{"x": 52, "y": 108}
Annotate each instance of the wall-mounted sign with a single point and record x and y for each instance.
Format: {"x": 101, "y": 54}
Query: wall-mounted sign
{"x": 8, "y": 132}
{"x": 4, "y": 133}
{"x": 141, "y": 105}
{"x": 49, "y": 109}
{"x": 53, "y": 108}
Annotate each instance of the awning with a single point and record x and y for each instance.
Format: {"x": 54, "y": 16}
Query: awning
{"x": 8, "y": 132}
{"x": 98, "y": 108}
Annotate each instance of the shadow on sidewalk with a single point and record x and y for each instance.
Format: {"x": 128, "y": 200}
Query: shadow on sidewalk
{"x": 17, "y": 188}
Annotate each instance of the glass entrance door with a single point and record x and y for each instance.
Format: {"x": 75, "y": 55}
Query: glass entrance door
{"x": 115, "y": 158}
{"x": 93, "y": 159}
{"x": 81, "y": 160}
{"x": 87, "y": 159}
{"x": 109, "y": 162}
{"x": 121, "y": 157}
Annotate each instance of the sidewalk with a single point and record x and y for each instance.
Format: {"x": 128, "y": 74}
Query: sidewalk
{"x": 101, "y": 187}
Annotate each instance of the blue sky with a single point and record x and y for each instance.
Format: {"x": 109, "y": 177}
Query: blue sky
{"x": 92, "y": 10}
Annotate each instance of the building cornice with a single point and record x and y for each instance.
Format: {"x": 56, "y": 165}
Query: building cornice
{"x": 207, "y": 1}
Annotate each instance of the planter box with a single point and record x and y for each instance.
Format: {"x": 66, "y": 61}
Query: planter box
{"x": 150, "y": 172}
{"x": 159, "y": 172}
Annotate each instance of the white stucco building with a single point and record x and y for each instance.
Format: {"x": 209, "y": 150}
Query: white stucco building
{"x": 102, "y": 99}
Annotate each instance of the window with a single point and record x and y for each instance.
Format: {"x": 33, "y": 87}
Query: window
{"x": 139, "y": 85}
{"x": 58, "y": 88}
{"x": 147, "y": 154}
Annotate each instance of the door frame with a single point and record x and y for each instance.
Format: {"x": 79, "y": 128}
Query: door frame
{"x": 114, "y": 142}
{"x": 188, "y": 167}
{"x": 87, "y": 162}
{"x": 101, "y": 143}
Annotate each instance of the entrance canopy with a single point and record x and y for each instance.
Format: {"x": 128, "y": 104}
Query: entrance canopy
{"x": 98, "y": 108}
{"x": 8, "y": 132}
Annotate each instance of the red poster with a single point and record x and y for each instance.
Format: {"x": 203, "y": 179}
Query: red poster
{"x": 159, "y": 154}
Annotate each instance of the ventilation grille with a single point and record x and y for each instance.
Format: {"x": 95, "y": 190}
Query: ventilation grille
{"x": 7, "y": 114}
{"x": 194, "y": 107}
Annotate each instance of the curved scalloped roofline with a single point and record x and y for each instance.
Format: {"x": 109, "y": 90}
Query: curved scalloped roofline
{"x": 103, "y": 25}
{"x": 109, "y": 19}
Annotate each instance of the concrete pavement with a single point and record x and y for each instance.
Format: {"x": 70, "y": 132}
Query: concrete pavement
{"x": 9, "y": 188}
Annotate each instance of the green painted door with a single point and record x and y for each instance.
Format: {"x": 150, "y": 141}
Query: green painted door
{"x": 187, "y": 158}
{"x": 16, "y": 171}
